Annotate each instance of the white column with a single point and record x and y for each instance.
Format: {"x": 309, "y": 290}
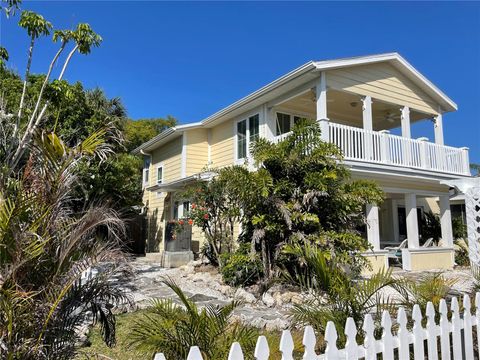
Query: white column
{"x": 373, "y": 226}
{"x": 321, "y": 97}
{"x": 406, "y": 132}
{"x": 367, "y": 125}
{"x": 405, "y": 120}
{"x": 446, "y": 221}
{"x": 438, "y": 129}
{"x": 367, "y": 113}
{"x": 412, "y": 220}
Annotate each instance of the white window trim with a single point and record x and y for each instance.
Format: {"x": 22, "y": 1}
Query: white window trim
{"x": 163, "y": 173}
{"x": 145, "y": 183}
{"x": 246, "y": 117}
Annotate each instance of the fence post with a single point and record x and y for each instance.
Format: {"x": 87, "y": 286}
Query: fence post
{"x": 431, "y": 332}
{"x": 369, "y": 342}
{"x": 286, "y": 345}
{"x": 262, "y": 351}
{"x": 444, "y": 331}
{"x": 309, "y": 342}
{"x": 236, "y": 352}
{"x": 194, "y": 353}
{"x": 467, "y": 327}
{"x": 456, "y": 330}
{"x": 477, "y": 319}
{"x": 402, "y": 335}
{"x": 331, "y": 336}
{"x": 418, "y": 348}
{"x": 351, "y": 346}
{"x": 387, "y": 337}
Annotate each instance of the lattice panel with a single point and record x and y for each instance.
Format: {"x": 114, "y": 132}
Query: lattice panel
{"x": 472, "y": 205}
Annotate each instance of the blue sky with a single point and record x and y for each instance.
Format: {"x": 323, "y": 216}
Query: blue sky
{"x": 190, "y": 59}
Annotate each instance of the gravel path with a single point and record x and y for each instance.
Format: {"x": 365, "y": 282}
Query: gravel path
{"x": 206, "y": 288}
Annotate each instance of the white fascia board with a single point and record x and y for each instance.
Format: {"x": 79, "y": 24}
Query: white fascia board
{"x": 165, "y": 136}
{"x": 260, "y": 92}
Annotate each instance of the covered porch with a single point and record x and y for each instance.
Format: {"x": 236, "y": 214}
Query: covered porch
{"x": 394, "y": 230}
{"x": 369, "y": 128}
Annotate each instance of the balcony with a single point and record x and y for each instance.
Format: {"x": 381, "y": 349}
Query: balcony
{"x": 381, "y": 147}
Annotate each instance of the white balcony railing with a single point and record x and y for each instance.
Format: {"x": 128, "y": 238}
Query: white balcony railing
{"x": 383, "y": 148}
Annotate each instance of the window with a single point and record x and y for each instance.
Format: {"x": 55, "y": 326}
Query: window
{"x": 146, "y": 170}
{"x": 186, "y": 209}
{"x": 242, "y": 139}
{"x": 283, "y": 123}
{"x": 253, "y": 128}
{"x": 175, "y": 210}
{"x": 248, "y": 131}
{"x": 159, "y": 174}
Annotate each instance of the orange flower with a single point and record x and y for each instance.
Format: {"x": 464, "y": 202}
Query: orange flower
{"x": 181, "y": 222}
{"x": 190, "y": 222}
{"x": 205, "y": 216}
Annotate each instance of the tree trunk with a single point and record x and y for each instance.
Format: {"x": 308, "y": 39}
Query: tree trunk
{"x": 25, "y": 81}
{"x": 266, "y": 266}
{"x": 30, "y": 127}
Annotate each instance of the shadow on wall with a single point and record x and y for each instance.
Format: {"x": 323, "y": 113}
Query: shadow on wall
{"x": 155, "y": 232}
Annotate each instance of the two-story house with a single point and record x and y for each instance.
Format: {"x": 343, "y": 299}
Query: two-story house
{"x": 358, "y": 102}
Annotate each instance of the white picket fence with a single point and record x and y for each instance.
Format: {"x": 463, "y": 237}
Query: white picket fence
{"x": 448, "y": 340}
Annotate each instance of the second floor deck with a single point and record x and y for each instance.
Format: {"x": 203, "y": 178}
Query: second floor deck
{"x": 383, "y": 148}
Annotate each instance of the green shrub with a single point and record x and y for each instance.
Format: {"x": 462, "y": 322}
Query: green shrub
{"x": 240, "y": 269}
{"x": 459, "y": 228}
{"x": 461, "y": 252}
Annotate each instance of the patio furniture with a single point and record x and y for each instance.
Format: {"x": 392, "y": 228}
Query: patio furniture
{"x": 395, "y": 252}
{"x": 428, "y": 243}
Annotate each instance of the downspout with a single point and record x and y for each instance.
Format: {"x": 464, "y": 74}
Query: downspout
{"x": 145, "y": 206}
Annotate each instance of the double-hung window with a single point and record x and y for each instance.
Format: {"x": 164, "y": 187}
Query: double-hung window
{"x": 159, "y": 174}
{"x": 248, "y": 131}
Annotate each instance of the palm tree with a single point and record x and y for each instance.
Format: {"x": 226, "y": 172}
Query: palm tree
{"x": 173, "y": 329}
{"x": 47, "y": 253}
{"x": 336, "y": 295}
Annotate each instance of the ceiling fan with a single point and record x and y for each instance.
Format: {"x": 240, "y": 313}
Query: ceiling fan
{"x": 391, "y": 117}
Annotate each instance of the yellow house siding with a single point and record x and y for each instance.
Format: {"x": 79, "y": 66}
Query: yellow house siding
{"x": 222, "y": 144}
{"x": 170, "y": 156}
{"x": 382, "y": 82}
{"x": 197, "y": 151}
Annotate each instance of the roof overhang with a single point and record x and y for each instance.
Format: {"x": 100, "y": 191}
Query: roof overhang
{"x": 181, "y": 183}
{"x": 401, "y": 65}
{"x": 164, "y": 137}
{"x": 301, "y": 75}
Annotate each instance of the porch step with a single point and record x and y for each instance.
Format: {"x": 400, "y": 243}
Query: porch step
{"x": 151, "y": 258}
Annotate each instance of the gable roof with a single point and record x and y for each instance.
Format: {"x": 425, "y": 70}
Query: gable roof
{"x": 296, "y": 77}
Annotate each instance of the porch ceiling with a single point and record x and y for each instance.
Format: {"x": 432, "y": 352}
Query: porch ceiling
{"x": 346, "y": 108}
